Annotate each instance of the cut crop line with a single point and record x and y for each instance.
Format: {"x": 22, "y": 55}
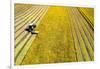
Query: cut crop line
{"x": 25, "y": 12}
{"x": 86, "y": 18}
{"x": 76, "y": 38}
{"x": 27, "y": 17}
{"x": 16, "y": 55}
{"x": 84, "y": 51}
{"x": 18, "y": 42}
{"x": 87, "y": 26}
{"x": 85, "y": 31}
{"x": 22, "y": 36}
{"x": 28, "y": 45}
{"x": 86, "y": 42}
{"x": 34, "y": 15}
{"x": 21, "y": 19}
{"x": 21, "y": 15}
{"x": 36, "y": 20}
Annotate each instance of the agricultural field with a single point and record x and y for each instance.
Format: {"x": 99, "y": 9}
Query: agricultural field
{"x": 66, "y": 34}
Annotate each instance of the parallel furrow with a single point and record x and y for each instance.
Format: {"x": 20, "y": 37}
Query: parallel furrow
{"x": 26, "y": 20}
{"x": 85, "y": 29}
{"x": 81, "y": 41}
{"x": 79, "y": 55}
{"x": 30, "y": 20}
{"x": 24, "y": 17}
{"x": 18, "y": 40}
{"x": 84, "y": 36}
{"x": 87, "y": 19}
{"x": 21, "y": 15}
{"x": 25, "y": 44}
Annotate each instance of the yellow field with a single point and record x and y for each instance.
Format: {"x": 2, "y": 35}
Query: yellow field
{"x": 66, "y": 34}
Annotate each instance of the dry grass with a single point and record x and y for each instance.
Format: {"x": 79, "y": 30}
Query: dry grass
{"x": 64, "y": 36}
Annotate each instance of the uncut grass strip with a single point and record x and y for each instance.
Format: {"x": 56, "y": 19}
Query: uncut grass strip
{"x": 20, "y": 48}
{"x": 43, "y": 14}
{"x": 84, "y": 37}
{"x": 71, "y": 53}
{"x": 82, "y": 45}
{"x": 87, "y": 33}
{"x": 36, "y": 21}
{"x": 80, "y": 56}
{"x": 70, "y": 33}
{"x": 40, "y": 17}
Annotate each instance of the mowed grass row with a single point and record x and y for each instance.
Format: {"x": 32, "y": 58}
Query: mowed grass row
{"x": 23, "y": 46}
{"x": 88, "y": 14}
{"x": 21, "y": 8}
{"x": 24, "y": 39}
{"x": 88, "y": 30}
{"x": 54, "y": 42}
{"x": 82, "y": 35}
{"x": 64, "y": 36}
{"x": 23, "y": 25}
